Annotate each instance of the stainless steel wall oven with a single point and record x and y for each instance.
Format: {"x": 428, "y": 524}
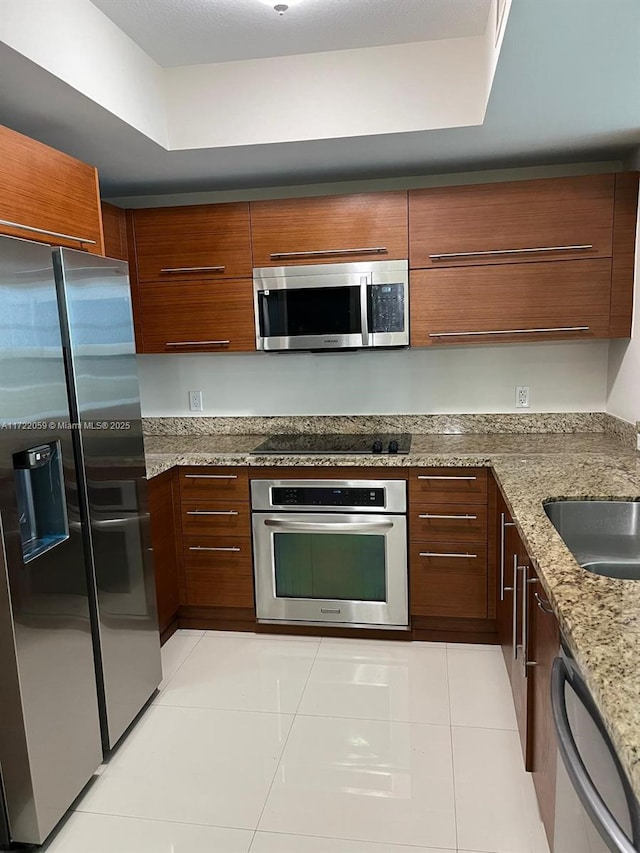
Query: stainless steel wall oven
{"x": 330, "y": 551}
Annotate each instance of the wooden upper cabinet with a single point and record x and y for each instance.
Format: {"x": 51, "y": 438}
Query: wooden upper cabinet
{"x": 203, "y": 316}
{"x": 207, "y": 241}
{"x": 500, "y": 304}
{"x": 47, "y": 195}
{"x": 114, "y": 225}
{"x": 329, "y": 229}
{"x": 515, "y": 222}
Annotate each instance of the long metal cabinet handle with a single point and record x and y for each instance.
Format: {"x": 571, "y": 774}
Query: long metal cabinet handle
{"x": 209, "y": 548}
{"x": 514, "y": 611}
{"x": 503, "y": 525}
{"x": 612, "y": 833}
{"x": 509, "y": 332}
{"x": 212, "y": 512}
{"x": 543, "y": 604}
{"x": 48, "y": 233}
{"x": 443, "y": 256}
{"x": 193, "y": 269}
{"x": 527, "y": 664}
{"x": 440, "y": 477}
{"x": 320, "y": 253}
{"x": 197, "y": 343}
{"x": 327, "y": 527}
{"x": 452, "y": 517}
{"x": 438, "y": 554}
{"x": 211, "y": 476}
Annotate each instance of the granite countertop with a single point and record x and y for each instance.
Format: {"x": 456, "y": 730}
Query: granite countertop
{"x": 600, "y": 617}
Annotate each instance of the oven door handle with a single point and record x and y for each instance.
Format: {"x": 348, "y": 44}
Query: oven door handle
{"x": 328, "y": 526}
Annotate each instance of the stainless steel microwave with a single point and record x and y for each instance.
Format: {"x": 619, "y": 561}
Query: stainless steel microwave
{"x": 332, "y": 306}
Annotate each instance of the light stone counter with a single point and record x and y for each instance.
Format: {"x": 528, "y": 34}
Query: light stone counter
{"x": 599, "y": 617}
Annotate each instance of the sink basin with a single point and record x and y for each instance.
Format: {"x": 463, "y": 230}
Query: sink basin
{"x": 603, "y": 536}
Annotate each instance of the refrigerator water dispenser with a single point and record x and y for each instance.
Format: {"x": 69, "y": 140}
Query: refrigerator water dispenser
{"x": 42, "y": 507}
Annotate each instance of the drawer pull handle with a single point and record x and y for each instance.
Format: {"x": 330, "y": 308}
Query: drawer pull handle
{"x": 509, "y": 332}
{"x": 443, "y": 256}
{"x": 205, "y": 548}
{"x": 211, "y": 512}
{"x": 324, "y": 253}
{"x": 197, "y": 343}
{"x": 453, "y": 517}
{"x": 440, "y": 477}
{"x": 47, "y": 233}
{"x": 193, "y": 269}
{"x": 436, "y": 554}
{"x": 211, "y": 476}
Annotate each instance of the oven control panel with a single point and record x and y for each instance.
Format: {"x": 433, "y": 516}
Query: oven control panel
{"x": 327, "y": 496}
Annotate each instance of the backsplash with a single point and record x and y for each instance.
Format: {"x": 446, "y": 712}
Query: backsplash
{"x": 572, "y": 422}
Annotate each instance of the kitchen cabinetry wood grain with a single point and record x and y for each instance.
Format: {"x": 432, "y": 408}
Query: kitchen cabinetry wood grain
{"x": 448, "y": 543}
{"x": 509, "y": 303}
{"x": 623, "y": 262}
{"x": 197, "y": 242}
{"x": 114, "y": 223}
{"x": 203, "y": 316}
{"x": 164, "y": 537}
{"x": 329, "y": 229}
{"x": 545, "y": 646}
{"x": 52, "y": 198}
{"x": 513, "y": 222}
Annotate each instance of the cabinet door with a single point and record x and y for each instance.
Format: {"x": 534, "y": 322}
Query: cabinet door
{"x": 511, "y": 222}
{"x": 203, "y": 316}
{"x": 449, "y": 579}
{"x": 114, "y": 223}
{"x": 519, "y": 674}
{"x": 545, "y": 645}
{"x": 196, "y": 242}
{"x": 163, "y": 536}
{"x": 501, "y": 304}
{"x": 506, "y": 555}
{"x": 47, "y": 195}
{"x": 329, "y": 229}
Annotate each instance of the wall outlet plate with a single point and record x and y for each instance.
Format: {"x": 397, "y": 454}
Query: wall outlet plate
{"x": 195, "y": 401}
{"x": 522, "y": 396}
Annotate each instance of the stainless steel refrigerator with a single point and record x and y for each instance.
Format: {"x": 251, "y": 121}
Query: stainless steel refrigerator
{"x": 79, "y": 643}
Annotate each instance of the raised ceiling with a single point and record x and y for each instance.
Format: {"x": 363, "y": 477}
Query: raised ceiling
{"x": 193, "y": 32}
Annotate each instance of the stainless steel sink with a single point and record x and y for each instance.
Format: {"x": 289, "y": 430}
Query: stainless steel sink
{"x": 603, "y": 536}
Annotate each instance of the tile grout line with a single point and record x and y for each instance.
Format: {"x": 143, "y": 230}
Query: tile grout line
{"x": 284, "y": 746}
{"x": 453, "y": 766}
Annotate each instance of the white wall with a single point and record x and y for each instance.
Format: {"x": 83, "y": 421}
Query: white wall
{"x": 376, "y": 90}
{"x": 623, "y": 386}
{"x": 563, "y": 377}
{"x": 76, "y": 42}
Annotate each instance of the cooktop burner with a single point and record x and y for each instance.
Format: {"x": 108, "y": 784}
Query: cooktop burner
{"x": 342, "y": 444}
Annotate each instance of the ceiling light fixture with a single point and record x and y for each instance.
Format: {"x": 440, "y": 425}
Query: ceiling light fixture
{"x": 281, "y": 8}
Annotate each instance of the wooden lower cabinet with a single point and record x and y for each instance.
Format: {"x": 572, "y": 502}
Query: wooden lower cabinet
{"x": 218, "y": 571}
{"x": 449, "y": 580}
{"x": 164, "y": 538}
{"x": 530, "y": 640}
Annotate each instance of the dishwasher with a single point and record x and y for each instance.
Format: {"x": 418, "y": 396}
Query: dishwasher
{"x": 596, "y": 810}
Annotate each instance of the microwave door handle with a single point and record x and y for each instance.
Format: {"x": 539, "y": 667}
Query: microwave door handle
{"x": 328, "y": 527}
{"x": 364, "y": 310}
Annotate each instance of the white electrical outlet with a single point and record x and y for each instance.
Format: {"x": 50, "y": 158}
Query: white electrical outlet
{"x": 522, "y": 396}
{"x": 195, "y": 401}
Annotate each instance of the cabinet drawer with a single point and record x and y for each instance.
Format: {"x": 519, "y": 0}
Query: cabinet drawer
{"x": 194, "y": 242}
{"x": 448, "y": 522}
{"x": 516, "y": 302}
{"x": 215, "y": 484}
{"x": 428, "y": 486}
{"x": 215, "y": 519}
{"x": 358, "y": 227}
{"x": 203, "y": 316}
{"x": 221, "y": 578}
{"x": 447, "y": 582}
{"x": 512, "y": 222}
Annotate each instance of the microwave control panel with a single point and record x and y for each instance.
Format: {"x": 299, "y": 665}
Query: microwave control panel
{"x": 386, "y": 307}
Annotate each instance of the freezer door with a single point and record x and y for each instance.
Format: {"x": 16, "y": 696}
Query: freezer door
{"x": 101, "y": 371}
{"x": 49, "y": 725}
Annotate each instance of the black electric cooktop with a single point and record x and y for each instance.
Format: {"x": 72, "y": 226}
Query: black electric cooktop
{"x": 329, "y": 444}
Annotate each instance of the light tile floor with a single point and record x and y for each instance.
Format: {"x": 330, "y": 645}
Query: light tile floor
{"x": 278, "y": 744}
